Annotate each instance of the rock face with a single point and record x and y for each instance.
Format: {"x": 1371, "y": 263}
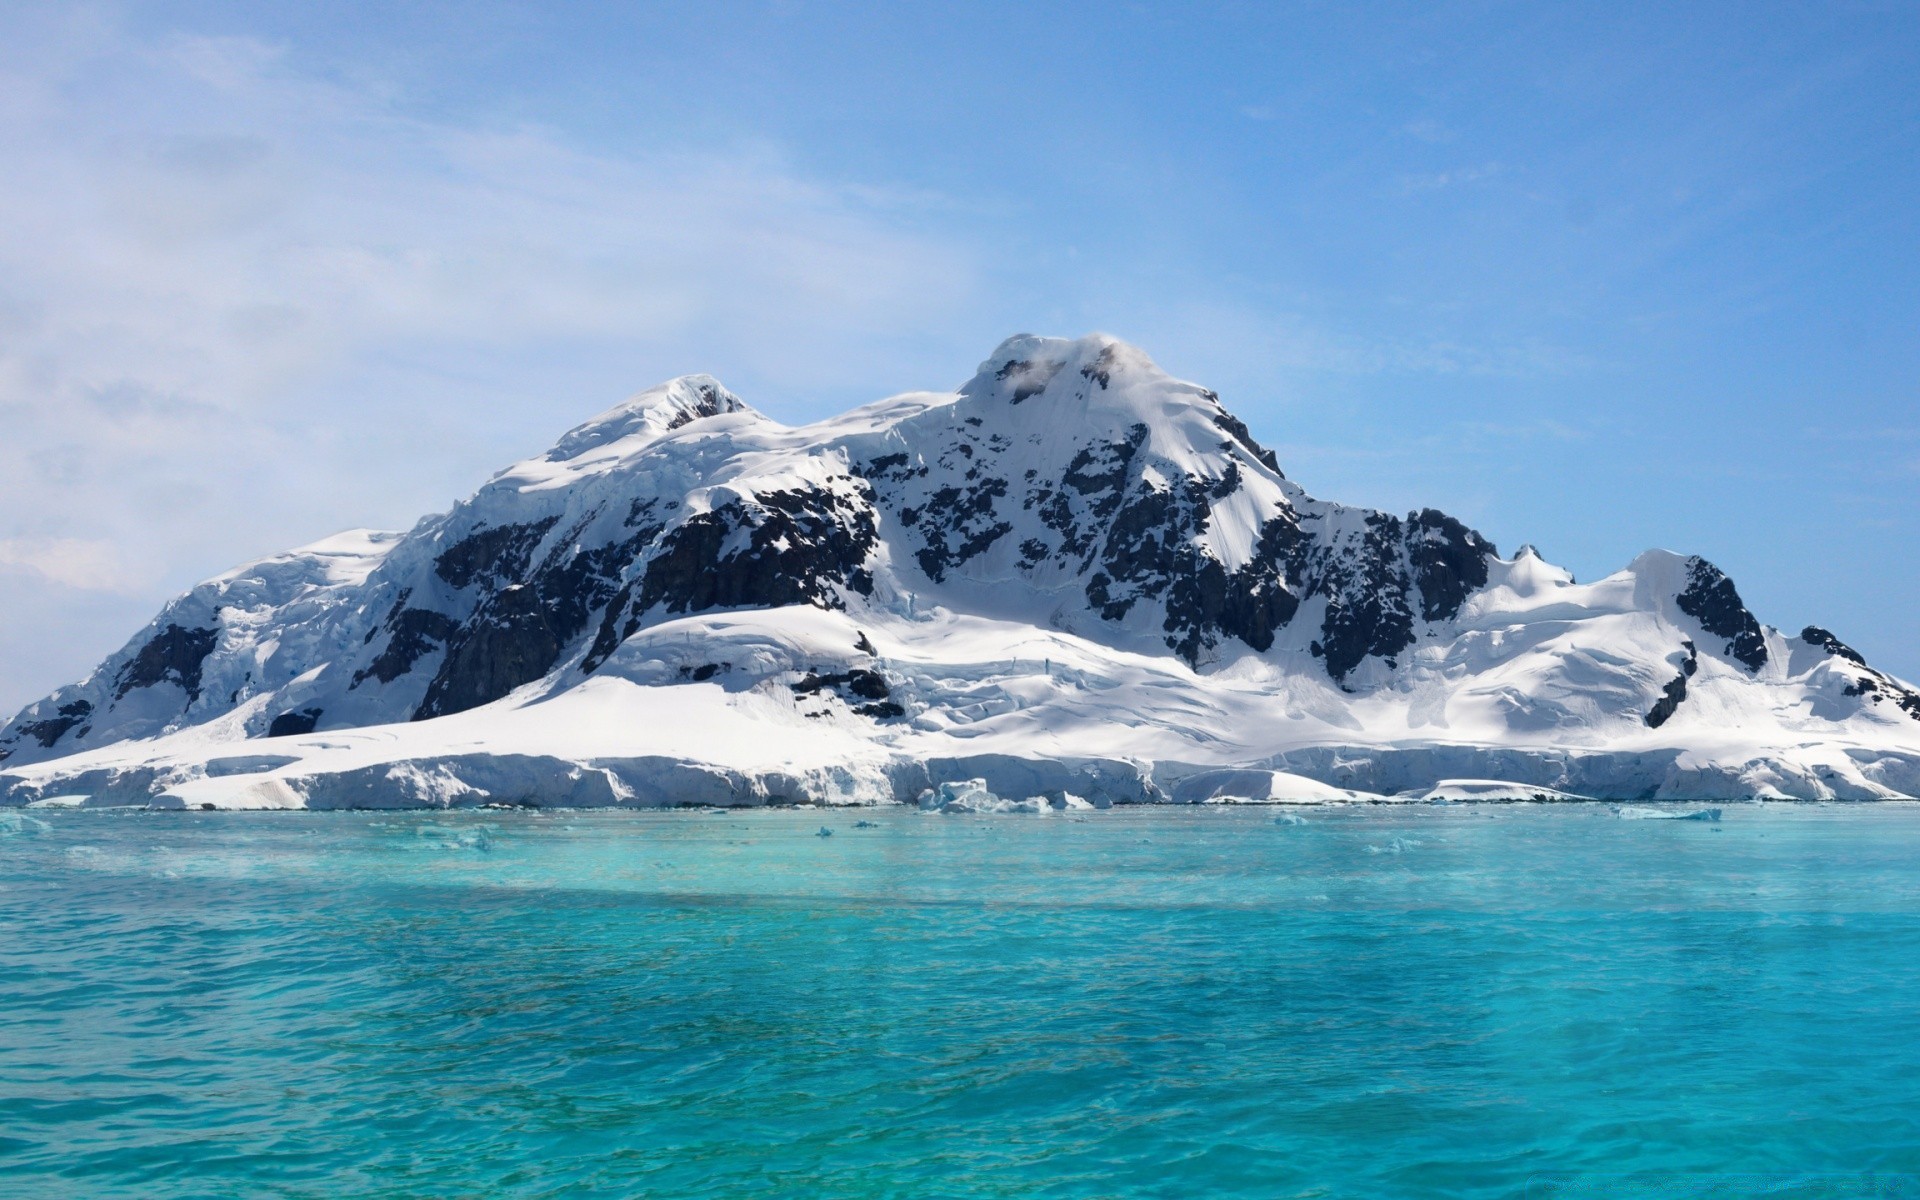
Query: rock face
{"x": 1070, "y": 489}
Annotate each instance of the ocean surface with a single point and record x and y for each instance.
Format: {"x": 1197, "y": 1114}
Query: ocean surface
{"x": 1474, "y": 1001}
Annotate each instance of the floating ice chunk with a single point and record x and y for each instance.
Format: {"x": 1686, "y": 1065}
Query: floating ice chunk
{"x": 1396, "y": 846}
{"x": 1289, "y": 819}
{"x": 1455, "y": 791}
{"x": 972, "y": 796}
{"x": 960, "y": 795}
{"x": 1628, "y": 812}
{"x": 824, "y": 832}
{"x": 67, "y": 801}
{"x": 866, "y": 824}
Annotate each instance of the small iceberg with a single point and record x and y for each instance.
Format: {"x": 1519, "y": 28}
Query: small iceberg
{"x": 866, "y": 824}
{"x": 824, "y": 832}
{"x": 1396, "y": 846}
{"x": 1486, "y": 791}
{"x": 1629, "y": 812}
{"x": 972, "y": 796}
{"x": 77, "y": 800}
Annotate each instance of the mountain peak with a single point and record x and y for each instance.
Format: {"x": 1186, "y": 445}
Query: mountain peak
{"x": 1097, "y": 369}
{"x": 648, "y": 415}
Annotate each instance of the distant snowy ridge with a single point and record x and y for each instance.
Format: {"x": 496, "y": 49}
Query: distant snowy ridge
{"x": 1074, "y": 575}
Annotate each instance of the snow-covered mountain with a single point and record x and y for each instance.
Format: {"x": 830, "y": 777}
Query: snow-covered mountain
{"x": 1074, "y": 574}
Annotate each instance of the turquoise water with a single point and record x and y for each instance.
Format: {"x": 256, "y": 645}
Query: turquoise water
{"x": 1196, "y": 1002}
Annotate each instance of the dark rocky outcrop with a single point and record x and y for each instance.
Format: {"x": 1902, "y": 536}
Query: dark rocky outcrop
{"x": 795, "y": 546}
{"x": 519, "y": 632}
{"x": 1813, "y": 635}
{"x": 508, "y": 643}
{"x": 1675, "y": 692}
{"x": 1710, "y": 599}
{"x": 492, "y": 555}
{"x": 411, "y": 633}
{"x": 1368, "y": 598}
{"x": 52, "y": 729}
{"x": 958, "y": 525}
{"x": 1151, "y": 551}
{"x": 1237, "y": 429}
{"x": 1030, "y": 379}
{"x": 290, "y": 724}
{"x": 866, "y": 692}
{"x": 1877, "y": 687}
{"x": 174, "y": 655}
{"x": 1449, "y": 562}
{"x": 712, "y": 401}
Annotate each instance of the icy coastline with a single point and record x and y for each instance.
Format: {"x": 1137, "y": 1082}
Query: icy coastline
{"x": 982, "y": 783}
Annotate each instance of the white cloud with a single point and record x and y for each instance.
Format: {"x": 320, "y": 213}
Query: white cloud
{"x": 241, "y": 305}
{"x": 1454, "y": 177}
{"x": 71, "y": 562}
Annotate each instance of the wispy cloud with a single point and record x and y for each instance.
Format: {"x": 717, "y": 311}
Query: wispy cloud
{"x": 1434, "y": 181}
{"x": 227, "y": 287}
{"x": 91, "y": 566}
{"x": 1428, "y": 130}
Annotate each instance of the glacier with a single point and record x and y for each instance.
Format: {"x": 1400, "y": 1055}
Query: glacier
{"x": 1073, "y": 577}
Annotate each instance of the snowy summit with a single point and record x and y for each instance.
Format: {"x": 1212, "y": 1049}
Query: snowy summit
{"x": 1075, "y": 578}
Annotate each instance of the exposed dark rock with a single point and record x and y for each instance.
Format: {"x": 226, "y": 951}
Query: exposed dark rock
{"x": 527, "y": 631}
{"x": 1449, "y": 562}
{"x": 1710, "y": 599}
{"x": 1100, "y": 370}
{"x": 1030, "y": 379}
{"x": 1877, "y": 687}
{"x": 1813, "y": 635}
{"x": 411, "y": 633}
{"x": 508, "y": 643}
{"x": 1237, "y": 429}
{"x": 1100, "y": 472}
{"x": 496, "y": 555}
{"x": 711, "y": 402}
{"x": 620, "y": 622}
{"x": 854, "y": 684}
{"x": 289, "y": 724}
{"x": 864, "y": 646}
{"x": 573, "y": 584}
{"x": 640, "y": 510}
{"x": 958, "y": 525}
{"x": 802, "y": 547}
{"x": 1675, "y": 691}
{"x": 857, "y": 681}
{"x": 175, "y": 655}
{"x": 52, "y": 729}
{"x": 1367, "y": 588}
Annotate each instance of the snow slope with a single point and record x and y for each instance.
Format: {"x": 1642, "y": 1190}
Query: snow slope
{"x": 1074, "y": 574}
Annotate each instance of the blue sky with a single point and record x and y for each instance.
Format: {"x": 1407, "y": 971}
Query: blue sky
{"x": 1599, "y": 277}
